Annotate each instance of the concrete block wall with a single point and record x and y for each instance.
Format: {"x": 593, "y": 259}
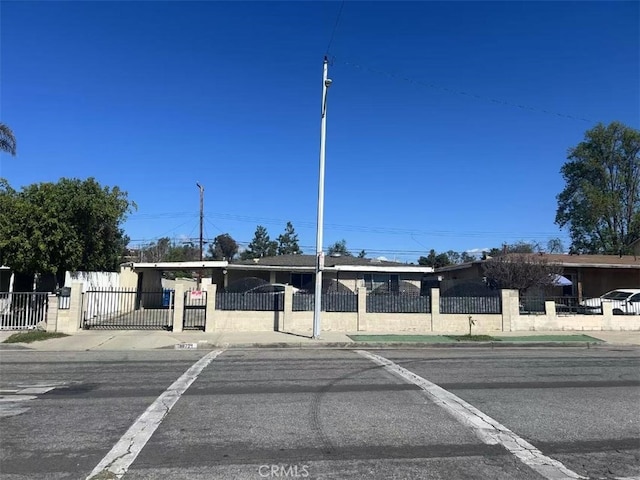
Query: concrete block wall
{"x": 69, "y": 320}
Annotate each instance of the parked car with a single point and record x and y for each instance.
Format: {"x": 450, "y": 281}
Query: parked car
{"x": 625, "y": 301}
{"x": 273, "y": 288}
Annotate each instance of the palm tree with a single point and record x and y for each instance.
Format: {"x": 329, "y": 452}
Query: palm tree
{"x": 7, "y": 140}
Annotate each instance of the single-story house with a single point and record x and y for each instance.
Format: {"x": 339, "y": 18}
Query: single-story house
{"x": 340, "y": 273}
{"x": 589, "y": 275}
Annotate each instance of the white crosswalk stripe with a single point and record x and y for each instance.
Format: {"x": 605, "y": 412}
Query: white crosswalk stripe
{"x": 13, "y": 400}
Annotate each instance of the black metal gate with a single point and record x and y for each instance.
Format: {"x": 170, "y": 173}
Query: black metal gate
{"x": 195, "y": 309}
{"x": 121, "y": 308}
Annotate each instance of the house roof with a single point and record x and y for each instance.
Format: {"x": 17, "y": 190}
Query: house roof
{"x": 305, "y": 263}
{"x": 177, "y": 265}
{"x": 310, "y": 261}
{"x": 584, "y": 261}
{"x": 332, "y": 263}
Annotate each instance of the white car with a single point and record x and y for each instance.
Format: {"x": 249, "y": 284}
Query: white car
{"x": 625, "y": 301}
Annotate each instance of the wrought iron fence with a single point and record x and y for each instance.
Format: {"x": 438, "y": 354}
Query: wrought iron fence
{"x": 262, "y": 302}
{"x": 330, "y": 302}
{"x": 468, "y": 305}
{"x": 564, "y": 306}
{"x": 22, "y": 310}
{"x": 124, "y": 308}
{"x": 195, "y": 310}
{"x": 532, "y": 305}
{"x": 398, "y": 303}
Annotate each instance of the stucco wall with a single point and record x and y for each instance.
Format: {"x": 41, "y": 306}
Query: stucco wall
{"x": 241, "y": 321}
{"x": 395, "y": 322}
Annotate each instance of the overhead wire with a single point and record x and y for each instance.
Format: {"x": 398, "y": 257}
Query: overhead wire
{"x": 335, "y": 27}
{"x": 361, "y": 228}
{"x": 383, "y": 230}
{"x": 423, "y": 83}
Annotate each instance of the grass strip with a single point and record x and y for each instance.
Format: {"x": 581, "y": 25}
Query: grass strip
{"x": 33, "y": 336}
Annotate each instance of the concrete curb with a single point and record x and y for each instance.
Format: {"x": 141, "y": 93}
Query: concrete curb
{"x": 383, "y": 345}
{"x": 14, "y": 346}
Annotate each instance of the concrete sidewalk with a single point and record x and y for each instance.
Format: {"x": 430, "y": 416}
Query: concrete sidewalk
{"x": 154, "y": 339}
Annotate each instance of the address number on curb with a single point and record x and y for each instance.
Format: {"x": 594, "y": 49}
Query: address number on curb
{"x": 186, "y": 346}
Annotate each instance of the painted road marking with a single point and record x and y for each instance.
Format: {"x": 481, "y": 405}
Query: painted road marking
{"x": 486, "y": 428}
{"x": 125, "y": 451}
{"x": 35, "y": 390}
{"x": 11, "y": 398}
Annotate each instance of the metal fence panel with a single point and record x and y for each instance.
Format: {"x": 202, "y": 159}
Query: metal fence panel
{"x": 22, "y": 310}
{"x": 330, "y": 302}
{"x": 469, "y": 305}
{"x": 398, "y": 303}
{"x": 195, "y": 310}
{"x": 339, "y": 302}
{"x": 530, "y": 305}
{"x": 123, "y": 308}
{"x": 261, "y": 302}
{"x": 303, "y": 302}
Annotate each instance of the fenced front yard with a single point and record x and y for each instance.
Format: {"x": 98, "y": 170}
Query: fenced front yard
{"x": 214, "y": 311}
{"x": 127, "y": 308}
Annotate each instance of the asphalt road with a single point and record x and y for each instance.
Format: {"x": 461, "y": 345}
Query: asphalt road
{"x": 287, "y": 413}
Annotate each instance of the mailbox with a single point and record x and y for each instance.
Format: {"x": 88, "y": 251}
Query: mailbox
{"x": 64, "y": 292}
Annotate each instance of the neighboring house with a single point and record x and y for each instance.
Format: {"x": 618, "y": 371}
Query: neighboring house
{"x": 340, "y": 273}
{"x": 635, "y": 247}
{"x": 590, "y": 275}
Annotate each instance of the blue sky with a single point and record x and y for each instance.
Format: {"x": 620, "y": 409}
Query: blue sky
{"x": 447, "y": 122}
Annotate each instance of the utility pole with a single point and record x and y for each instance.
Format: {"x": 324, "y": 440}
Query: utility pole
{"x": 319, "y": 253}
{"x": 201, "y": 188}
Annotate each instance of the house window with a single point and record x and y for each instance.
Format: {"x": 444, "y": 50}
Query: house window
{"x": 381, "y": 282}
{"x": 301, "y": 280}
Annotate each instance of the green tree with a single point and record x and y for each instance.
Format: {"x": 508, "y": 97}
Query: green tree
{"x": 435, "y": 260}
{"x": 600, "y": 203}
{"x": 69, "y": 225}
{"x": 466, "y": 257}
{"x": 7, "y": 139}
{"x": 260, "y": 246}
{"x": 454, "y": 257}
{"x": 224, "y": 247}
{"x": 156, "y": 251}
{"x": 339, "y": 248}
{"x": 288, "y": 242}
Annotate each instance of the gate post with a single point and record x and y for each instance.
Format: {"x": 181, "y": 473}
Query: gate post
{"x": 362, "y": 309}
{"x": 210, "y": 309}
{"x": 70, "y": 321}
{"x": 436, "y": 320}
{"x": 178, "y": 308}
{"x": 52, "y": 313}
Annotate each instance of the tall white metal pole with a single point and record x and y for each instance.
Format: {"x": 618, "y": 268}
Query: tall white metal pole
{"x": 319, "y": 253}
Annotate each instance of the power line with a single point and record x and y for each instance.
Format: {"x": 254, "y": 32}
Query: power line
{"x": 359, "y": 228}
{"x": 335, "y": 27}
{"x": 460, "y": 92}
